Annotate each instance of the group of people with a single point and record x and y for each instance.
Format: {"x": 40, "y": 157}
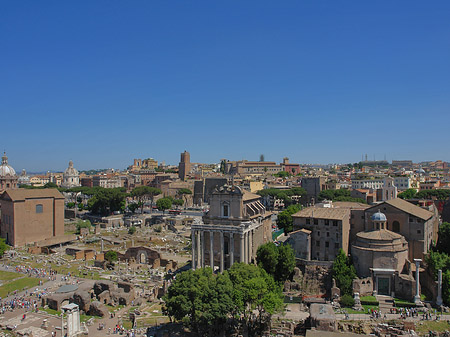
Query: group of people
{"x": 22, "y": 302}
{"x": 36, "y": 272}
{"x": 118, "y": 329}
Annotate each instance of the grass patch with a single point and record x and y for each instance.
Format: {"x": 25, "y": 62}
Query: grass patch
{"x": 19, "y": 285}
{"x": 150, "y": 321}
{"x": 403, "y": 303}
{"x": 8, "y": 276}
{"x": 436, "y": 326}
{"x": 83, "y": 317}
{"x": 368, "y": 298}
{"x": 366, "y": 309}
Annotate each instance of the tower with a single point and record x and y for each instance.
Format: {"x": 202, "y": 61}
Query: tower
{"x": 184, "y": 167}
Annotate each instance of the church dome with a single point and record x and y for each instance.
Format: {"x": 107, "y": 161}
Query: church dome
{"x": 378, "y": 216}
{"x": 5, "y": 169}
{"x": 71, "y": 171}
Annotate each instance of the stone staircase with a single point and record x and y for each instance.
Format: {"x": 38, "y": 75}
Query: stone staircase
{"x": 386, "y": 303}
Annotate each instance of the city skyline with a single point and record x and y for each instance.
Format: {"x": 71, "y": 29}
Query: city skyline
{"x": 102, "y": 83}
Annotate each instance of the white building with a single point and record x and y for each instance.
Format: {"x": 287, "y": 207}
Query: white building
{"x": 71, "y": 177}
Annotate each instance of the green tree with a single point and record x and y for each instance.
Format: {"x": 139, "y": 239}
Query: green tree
{"x": 111, "y": 256}
{"x": 201, "y": 300}
{"x": 70, "y": 205}
{"x": 256, "y": 297}
{"x": 107, "y": 200}
{"x": 3, "y": 247}
{"x": 284, "y": 219}
{"x": 276, "y": 261}
{"x": 446, "y": 287}
{"x": 50, "y": 185}
{"x": 333, "y": 194}
{"x": 410, "y": 193}
{"x": 261, "y": 157}
{"x": 286, "y": 263}
{"x": 437, "y": 260}
{"x": 344, "y": 273}
{"x": 131, "y": 230}
{"x": 184, "y": 192}
{"x": 439, "y": 194}
{"x": 133, "y": 207}
{"x": 223, "y": 166}
{"x": 282, "y": 174}
{"x": 164, "y": 204}
{"x": 144, "y": 193}
{"x": 443, "y": 243}
{"x": 178, "y": 202}
{"x": 83, "y": 224}
{"x": 267, "y": 257}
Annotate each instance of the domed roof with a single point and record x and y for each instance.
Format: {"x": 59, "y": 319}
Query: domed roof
{"x": 380, "y": 235}
{"x": 71, "y": 171}
{"x": 5, "y": 169}
{"x": 378, "y": 216}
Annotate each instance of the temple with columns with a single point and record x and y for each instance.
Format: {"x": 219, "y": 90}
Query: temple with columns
{"x": 233, "y": 229}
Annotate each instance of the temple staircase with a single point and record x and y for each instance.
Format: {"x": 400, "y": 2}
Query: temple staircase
{"x": 386, "y": 303}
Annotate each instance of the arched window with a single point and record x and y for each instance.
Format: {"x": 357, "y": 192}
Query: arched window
{"x": 39, "y": 208}
{"x": 396, "y": 227}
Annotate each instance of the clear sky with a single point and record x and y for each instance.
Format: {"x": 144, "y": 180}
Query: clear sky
{"x": 103, "y": 82}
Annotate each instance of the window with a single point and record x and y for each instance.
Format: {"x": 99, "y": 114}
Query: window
{"x": 327, "y": 244}
{"x": 328, "y": 234}
{"x": 39, "y": 208}
{"x": 335, "y": 222}
{"x": 318, "y": 245}
{"x": 225, "y": 210}
{"x": 396, "y": 227}
{"x": 327, "y": 222}
{"x": 419, "y": 231}
{"x": 318, "y": 233}
{"x": 308, "y": 221}
{"x": 316, "y": 221}
{"x": 336, "y": 245}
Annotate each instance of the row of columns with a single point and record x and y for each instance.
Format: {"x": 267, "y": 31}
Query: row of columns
{"x": 198, "y": 248}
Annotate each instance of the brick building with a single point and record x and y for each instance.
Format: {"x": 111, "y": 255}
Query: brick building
{"x": 29, "y": 216}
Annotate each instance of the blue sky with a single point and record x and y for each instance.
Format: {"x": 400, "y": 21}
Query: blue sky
{"x": 103, "y": 82}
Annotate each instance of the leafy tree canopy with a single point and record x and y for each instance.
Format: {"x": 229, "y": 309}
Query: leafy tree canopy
{"x": 111, "y": 256}
{"x": 410, "y": 193}
{"x": 278, "y": 261}
{"x": 443, "y": 243}
{"x": 284, "y": 219}
{"x": 439, "y": 194}
{"x": 164, "y": 204}
{"x": 344, "y": 273}
{"x": 3, "y": 247}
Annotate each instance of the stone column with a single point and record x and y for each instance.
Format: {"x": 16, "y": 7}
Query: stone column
{"x": 250, "y": 246}
{"x": 246, "y": 247}
{"x": 417, "y": 300}
{"x": 231, "y": 249}
{"x": 439, "y": 295}
{"x": 242, "y": 252}
{"x": 193, "y": 249}
{"x": 221, "y": 251}
{"x": 211, "y": 249}
{"x": 202, "y": 248}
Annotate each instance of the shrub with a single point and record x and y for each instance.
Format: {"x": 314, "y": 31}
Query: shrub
{"x": 111, "y": 256}
{"x": 132, "y": 230}
{"x": 347, "y": 301}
